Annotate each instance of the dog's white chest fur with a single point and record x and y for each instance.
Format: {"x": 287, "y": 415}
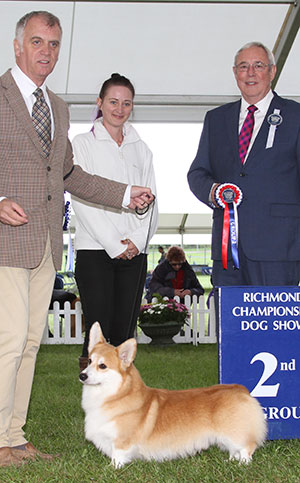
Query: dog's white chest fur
{"x": 99, "y": 429}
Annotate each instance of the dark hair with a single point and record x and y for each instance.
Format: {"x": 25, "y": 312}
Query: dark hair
{"x": 114, "y": 80}
{"x": 50, "y": 20}
{"x": 175, "y": 253}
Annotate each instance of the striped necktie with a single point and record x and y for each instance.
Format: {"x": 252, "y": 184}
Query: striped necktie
{"x": 246, "y": 133}
{"x": 42, "y": 120}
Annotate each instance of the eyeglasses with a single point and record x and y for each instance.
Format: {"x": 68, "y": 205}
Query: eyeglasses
{"x": 257, "y": 66}
{"x": 176, "y": 264}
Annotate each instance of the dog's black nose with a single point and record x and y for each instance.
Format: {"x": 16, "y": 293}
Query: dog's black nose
{"x": 83, "y": 376}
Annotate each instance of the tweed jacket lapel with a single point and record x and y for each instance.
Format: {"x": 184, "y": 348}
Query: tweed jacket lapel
{"x": 17, "y": 104}
{"x": 56, "y": 118}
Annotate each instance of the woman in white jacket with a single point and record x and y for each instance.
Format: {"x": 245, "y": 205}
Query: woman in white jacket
{"x": 111, "y": 245}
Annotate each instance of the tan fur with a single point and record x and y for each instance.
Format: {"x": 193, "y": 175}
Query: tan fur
{"x": 126, "y": 419}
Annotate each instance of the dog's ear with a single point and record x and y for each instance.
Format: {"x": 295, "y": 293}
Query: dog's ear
{"x": 96, "y": 336}
{"x": 127, "y": 352}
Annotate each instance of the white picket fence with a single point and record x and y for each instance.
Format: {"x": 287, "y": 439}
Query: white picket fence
{"x": 64, "y": 326}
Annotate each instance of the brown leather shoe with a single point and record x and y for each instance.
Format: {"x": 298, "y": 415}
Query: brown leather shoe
{"x": 83, "y": 362}
{"x": 7, "y": 458}
{"x": 30, "y": 452}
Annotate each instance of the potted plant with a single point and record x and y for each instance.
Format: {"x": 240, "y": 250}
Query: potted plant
{"x": 163, "y": 319}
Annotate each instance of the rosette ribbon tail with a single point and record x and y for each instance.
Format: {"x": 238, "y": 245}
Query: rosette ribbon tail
{"x": 229, "y": 196}
{"x": 225, "y": 236}
{"x": 234, "y": 234}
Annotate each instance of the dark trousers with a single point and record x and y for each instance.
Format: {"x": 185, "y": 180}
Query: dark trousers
{"x": 252, "y": 272}
{"x": 110, "y": 291}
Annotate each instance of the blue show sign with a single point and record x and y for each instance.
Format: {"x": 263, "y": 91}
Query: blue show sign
{"x": 259, "y": 347}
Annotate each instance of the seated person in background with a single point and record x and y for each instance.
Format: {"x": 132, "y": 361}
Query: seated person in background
{"x": 162, "y": 254}
{"x": 174, "y": 276}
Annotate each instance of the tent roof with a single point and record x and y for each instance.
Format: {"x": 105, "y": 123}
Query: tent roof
{"x": 181, "y": 68}
{"x": 184, "y": 223}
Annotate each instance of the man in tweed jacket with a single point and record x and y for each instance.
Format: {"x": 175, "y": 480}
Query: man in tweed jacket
{"x": 31, "y": 209}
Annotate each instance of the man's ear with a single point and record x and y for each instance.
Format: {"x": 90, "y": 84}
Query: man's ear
{"x": 234, "y": 71}
{"x": 273, "y": 71}
{"x": 17, "y": 48}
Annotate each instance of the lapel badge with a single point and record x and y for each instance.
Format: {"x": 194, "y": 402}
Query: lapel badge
{"x": 274, "y": 119}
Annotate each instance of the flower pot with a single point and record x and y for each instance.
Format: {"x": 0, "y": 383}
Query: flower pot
{"x": 161, "y": 334}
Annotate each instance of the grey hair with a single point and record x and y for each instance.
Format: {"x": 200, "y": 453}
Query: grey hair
{"x": 50, "y": 20}
{"x": 270, "y": 54}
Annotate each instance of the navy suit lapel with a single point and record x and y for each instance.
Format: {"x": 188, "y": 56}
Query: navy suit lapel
{"x": 232, "y": 127}
{"x": 261, "y": 138}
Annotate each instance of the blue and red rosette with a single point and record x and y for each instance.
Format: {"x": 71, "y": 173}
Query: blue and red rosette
{"x": 229, "y": 196}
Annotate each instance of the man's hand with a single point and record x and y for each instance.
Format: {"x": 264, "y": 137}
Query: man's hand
{"x": 11, "y": 213}
{"x": 213, "y": 197}
{"x": 140, "y": 197}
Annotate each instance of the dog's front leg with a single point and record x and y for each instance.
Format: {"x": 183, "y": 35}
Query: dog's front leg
{"x": 120, "y": 457}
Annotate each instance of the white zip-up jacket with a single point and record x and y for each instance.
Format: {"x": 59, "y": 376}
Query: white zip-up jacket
{"x": 102, "y": 228}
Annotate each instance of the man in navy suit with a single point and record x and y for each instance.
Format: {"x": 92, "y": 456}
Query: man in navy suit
{"x": 269, "y": 178}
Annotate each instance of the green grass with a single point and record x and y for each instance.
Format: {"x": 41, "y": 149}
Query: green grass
{"x": 55, "y": 424}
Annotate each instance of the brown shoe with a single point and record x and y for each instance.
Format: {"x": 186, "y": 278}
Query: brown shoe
{"x": 7, "y": 458}
{"x": 30, "y": 452}
{"x": 83, "y": 362}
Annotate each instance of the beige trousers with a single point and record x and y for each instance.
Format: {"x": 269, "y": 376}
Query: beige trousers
{"x": 24, "y": 300}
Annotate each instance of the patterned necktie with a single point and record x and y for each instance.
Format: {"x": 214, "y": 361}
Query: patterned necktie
{"x": 42, "y": 120}
{"x": 246, "y": 133}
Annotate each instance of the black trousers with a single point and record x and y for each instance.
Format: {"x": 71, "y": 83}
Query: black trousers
{"x": 110, "y": 291}
{"x": 252, "y": 272}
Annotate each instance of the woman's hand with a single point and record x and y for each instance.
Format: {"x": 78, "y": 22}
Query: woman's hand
{"x": 131, "y": 250}
{"x": 182, "y": 292}
{"x": 140, "y": 197}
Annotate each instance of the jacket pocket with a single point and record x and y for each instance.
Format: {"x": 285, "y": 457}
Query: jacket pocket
{"x": 285, "y": 209}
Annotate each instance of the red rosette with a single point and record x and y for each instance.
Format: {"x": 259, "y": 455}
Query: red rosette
{"x": 228, "y": 193}
{"x": 229, "y": 196}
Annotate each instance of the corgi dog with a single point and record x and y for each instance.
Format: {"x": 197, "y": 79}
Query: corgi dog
{"x": 126, "y": 420}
